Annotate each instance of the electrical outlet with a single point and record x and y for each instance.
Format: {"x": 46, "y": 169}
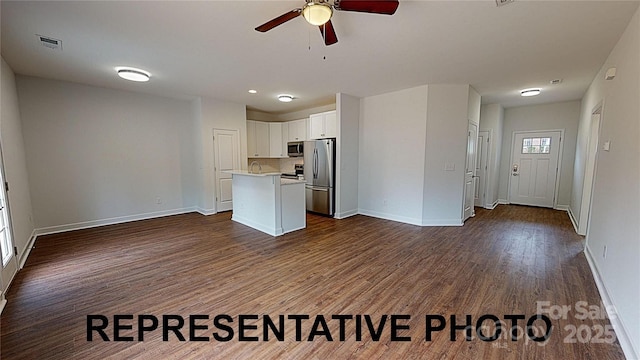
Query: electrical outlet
{"x": 158, "y": 200}
{"x": 604, "y": 252}
{"x": 384, "y": 202}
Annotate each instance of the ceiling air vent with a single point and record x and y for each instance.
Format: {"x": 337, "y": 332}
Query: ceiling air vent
{"x": 503, "y": 2}
{"x": 50, "y": 42}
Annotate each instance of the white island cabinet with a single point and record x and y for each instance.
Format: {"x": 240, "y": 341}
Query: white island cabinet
{"x": 267, "y": 203}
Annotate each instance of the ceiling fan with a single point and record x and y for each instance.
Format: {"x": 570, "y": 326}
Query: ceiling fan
{"x": 319, "y": 12}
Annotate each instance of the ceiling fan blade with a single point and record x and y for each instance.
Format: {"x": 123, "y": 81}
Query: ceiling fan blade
{"x": 279, "y": 20}
{"x": 386, "y": 7}
{"x": 328, "y": 33}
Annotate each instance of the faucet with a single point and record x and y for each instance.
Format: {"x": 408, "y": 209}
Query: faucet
{"x": 251, "y": 167}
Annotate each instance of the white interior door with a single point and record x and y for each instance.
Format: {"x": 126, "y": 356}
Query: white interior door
{"x": 9, "y": 261}
{"x": 226, "y": 155}
{"x": 470, "y": 171}
{"x": 589, "y": 171}
{"x": 481, "y": 168}
{"x": 534, "y": 168}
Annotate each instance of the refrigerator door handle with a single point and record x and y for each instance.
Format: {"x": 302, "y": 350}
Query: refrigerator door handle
{"x": 315, "y": 163}
{"x": 317, "y": 188}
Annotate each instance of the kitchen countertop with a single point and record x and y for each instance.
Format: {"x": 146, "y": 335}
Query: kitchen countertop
{"x": 247, "y": 173}
{"x": 284, "y": 181}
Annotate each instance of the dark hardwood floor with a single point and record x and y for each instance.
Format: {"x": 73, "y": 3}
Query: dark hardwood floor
{"x": 502, "y": 262}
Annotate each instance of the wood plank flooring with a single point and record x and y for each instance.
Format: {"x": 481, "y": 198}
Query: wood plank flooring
{"x": 501, "y": 262}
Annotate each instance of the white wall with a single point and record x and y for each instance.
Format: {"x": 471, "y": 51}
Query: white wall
{"x": 406, "y": 137}
{"x": 448, "y": 114}
{"x": 15, "y": 162}
{"x": 97, "y": 155}
{"x": 348, "y": 117}
{"x": 392, "y": 155}
{"x": 261, "y": 116}
{"x": 492, "y": 120}
{"x": 615, "y": 208}
{"x": 216, "y": 114}
{"x": 564, "y": 115}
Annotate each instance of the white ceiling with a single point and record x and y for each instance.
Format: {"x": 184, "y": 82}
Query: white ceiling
{"x": 211, "y": 48}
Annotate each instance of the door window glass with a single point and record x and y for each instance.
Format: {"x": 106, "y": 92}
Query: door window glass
{"x": 536, "y": 145}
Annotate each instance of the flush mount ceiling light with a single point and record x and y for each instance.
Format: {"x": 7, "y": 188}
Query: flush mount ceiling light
{"x": 285, "y": 98}
{"x": 530, "y": 92}
{"x": 317, "y": 12}
{"x": 133, "y": 74}
{"x": 252, "y": 91}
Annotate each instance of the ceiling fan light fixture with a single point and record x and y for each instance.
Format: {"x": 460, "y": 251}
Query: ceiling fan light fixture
{"x": 285, "y": 98}
{"x": 530, "y": 92}
{"x": 317, "y": 13}
{"x": 133, "y": 74}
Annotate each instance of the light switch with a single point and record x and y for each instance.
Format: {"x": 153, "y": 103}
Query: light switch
{"x": 449, "y": 166}
{"x": 606, "y": 145}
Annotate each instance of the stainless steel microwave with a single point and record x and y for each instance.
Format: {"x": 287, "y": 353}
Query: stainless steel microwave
{"x": 295, "y": 148}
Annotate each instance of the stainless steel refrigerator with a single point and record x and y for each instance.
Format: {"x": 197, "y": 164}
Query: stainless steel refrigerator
{"x": 319, "y": 172}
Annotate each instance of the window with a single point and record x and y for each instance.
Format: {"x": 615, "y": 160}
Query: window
{"x": 536, "y": 145}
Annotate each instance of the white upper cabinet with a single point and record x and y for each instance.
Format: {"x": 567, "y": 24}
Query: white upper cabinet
{"x": 298, "y": 130}
{"x": 323, "y": 125}
{"x": 267, "y": 139}
{"x": 257, "y": 139}
{"x": 278, "y": 134}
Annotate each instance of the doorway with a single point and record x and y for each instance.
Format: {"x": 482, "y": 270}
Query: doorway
{"x": 226, "y": 157}
{"x": 470, "y": 172}
{"x": 535, "y": 157}
{"x": 590, "y": 169}
{"x": 481, "y": 168}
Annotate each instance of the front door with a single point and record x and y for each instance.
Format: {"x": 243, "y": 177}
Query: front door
{"x": 470, "y": 172}
{"x": 9, "y": 261}
{"x": 534, "y": 168}
{"x": 226, "y": 155}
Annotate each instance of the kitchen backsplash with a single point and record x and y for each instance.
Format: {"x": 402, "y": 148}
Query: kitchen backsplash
{"x": 285, "y": 165}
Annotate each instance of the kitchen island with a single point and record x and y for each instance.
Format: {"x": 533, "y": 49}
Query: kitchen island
{"x": 268, "y": 203}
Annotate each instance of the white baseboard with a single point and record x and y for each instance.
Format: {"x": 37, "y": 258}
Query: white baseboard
{"x": 27, "y": 250}
{"x": 503, "y": 202}
{"x": 573, "y": 220}
{"x": 206, "y": 212}
{"x": 273, "y": 231}
{"x": 116, "y": 220}
{"x": 618, "y": 326}
{"x": 387, "y": 216}
{"x": 561, "y": 207}
{"x": 3, "y": 303}
{"x": 412, "y": 221}
{"x": 492, "y": 206}
{"x": 346, "y": 214}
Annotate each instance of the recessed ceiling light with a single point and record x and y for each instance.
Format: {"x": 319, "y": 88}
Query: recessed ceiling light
{"x": 530, "y": 92}
{"x": 285, "y": 97}
{"x": 253, "y": 91}
{"x": 133, "y": 74}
